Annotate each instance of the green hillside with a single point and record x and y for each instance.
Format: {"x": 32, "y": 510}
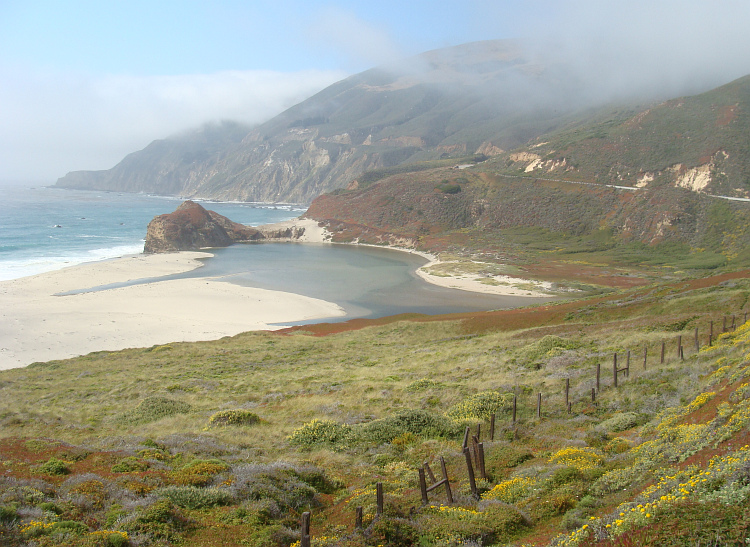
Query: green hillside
{"x": 699, "y": 142}
{"x": 229, "y": 442}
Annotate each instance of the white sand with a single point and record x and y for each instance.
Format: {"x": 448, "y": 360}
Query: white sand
{"x": 37, "y": 325}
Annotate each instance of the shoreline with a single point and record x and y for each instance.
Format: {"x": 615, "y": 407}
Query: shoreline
{"x": 51, "y": 316}
{"x": 36, "y": 324}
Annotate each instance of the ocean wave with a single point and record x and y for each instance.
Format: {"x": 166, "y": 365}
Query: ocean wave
{"x": 24, "y": 267}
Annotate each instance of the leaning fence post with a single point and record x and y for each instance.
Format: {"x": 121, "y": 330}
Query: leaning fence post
{"x": 428, "y": 469}
{"x": 470, "y": 470}
{"x": 423, "y": 486}
{"x": 448, "y": 493}
{"x": 379, "y": 498}
{"x": 482, "y": 468}
{"x": 304, "y": 540}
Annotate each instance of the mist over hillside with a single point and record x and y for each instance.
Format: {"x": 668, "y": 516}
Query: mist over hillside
{"x": 484, "y": 97}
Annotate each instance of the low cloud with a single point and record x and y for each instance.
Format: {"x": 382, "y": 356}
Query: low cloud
{"x": 341, "y": 32}
{"x": 54, "y": 123}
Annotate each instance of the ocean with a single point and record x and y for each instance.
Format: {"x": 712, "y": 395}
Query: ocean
{"x": 44, "y": 229}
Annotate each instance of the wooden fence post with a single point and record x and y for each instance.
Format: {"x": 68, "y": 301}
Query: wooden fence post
{"x": 430, "y": 474}
{"x": 724, "y": 324}
{"x": 627, "y": 366}
{"x": 711, "y": 332}
{"x": 448, "y": 493}
{"x": 423, "y": 486}
{"x": 593, "y": 395}
{"x": 734, "y": 324}
{"x": 479, "y": 431}
{"x": 470, "y": 471}
{"x": 539, "y": 406}
{"x": 662, "y": 351}
{"x": 482, "y": 468}
{"x": 475, "y": 449}
{"x": 466, "y": 438}
{"x": 379, "y": 498}
{"x": 598, "y": 375}
{"x": 304, "y": 540}
{"x": 645, "y": 356}
{"x": 614, "y": 371}
{"x": 679, "y": 346}
{"x": 682, "y": 354}
{"x": 492, "y": 427}
{"x": 359, "y": 518}
{"x": 515, "y": 406}
{"x": 567, "y": 393}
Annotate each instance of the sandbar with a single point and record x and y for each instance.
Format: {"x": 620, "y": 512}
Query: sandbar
{"x": 37, "y": 323}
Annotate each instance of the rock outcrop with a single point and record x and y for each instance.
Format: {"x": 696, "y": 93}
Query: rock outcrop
{"x": 192, "y": 227}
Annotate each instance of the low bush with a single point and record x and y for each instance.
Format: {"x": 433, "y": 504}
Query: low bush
{"x": 422, "y": 423}
{"x": 233, "y": 417}
{"x": 129, "y": 464}
{"x": 198, "y": 472}
{"x": 53, "y": 466}
{"x": 322, "y": 433}
{"x": 193, "y": 497}
{"x": 480, "y": 406}
{"x": 281, "y": 483}
{"x": 154, "y": 408}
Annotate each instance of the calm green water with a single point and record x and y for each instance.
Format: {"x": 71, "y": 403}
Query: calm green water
{"x": 365, "y": 281}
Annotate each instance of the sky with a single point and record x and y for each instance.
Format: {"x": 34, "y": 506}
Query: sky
{"x": 84, "y": 83}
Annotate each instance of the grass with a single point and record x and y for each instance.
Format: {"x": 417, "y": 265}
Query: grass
{"x": 375, "y": 403}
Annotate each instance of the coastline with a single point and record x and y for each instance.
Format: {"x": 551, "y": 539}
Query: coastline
{"x": 36, "y": 324}
{"x": 50, "y": 316}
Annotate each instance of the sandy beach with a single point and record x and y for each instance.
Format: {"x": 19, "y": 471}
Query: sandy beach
{"x": 37, "y": 324}
{"x": 40, "y": 322}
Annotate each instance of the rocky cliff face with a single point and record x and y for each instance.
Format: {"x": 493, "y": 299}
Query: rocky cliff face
{"x": 191, "y": 227}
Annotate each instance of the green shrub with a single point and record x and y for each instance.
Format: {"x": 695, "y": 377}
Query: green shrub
{"x": 424, "y": 383}
{"x": 193, "y": 497}
{"x": 281, "y": 483}
{"x": 129, "y": 464}
{"x": 8, "y": 514}
{"x": 620, "y": 422}
{"x": 154, "y": 408}
{"x": 480, "y": 406}
{"x": 418, "y": 422}
{"x": 233, "y": 417}
{"x": 53, "y": 466}
{"x": 322, "y": 433}
{"x": 394, "y": 532}
{"x": 161, "y": 521}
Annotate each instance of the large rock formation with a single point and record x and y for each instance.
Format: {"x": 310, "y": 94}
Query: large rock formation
{"x": 192, "y": 227}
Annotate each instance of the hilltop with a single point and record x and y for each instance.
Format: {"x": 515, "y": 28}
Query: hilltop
{"x": 483, "y": 97}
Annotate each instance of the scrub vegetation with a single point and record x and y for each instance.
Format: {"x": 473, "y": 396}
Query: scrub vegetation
{"x": 229, "y": 442}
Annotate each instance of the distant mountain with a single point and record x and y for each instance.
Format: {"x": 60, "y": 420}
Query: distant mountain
{"x": 610, "y": 178}
{"x": 483, "y": 97}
